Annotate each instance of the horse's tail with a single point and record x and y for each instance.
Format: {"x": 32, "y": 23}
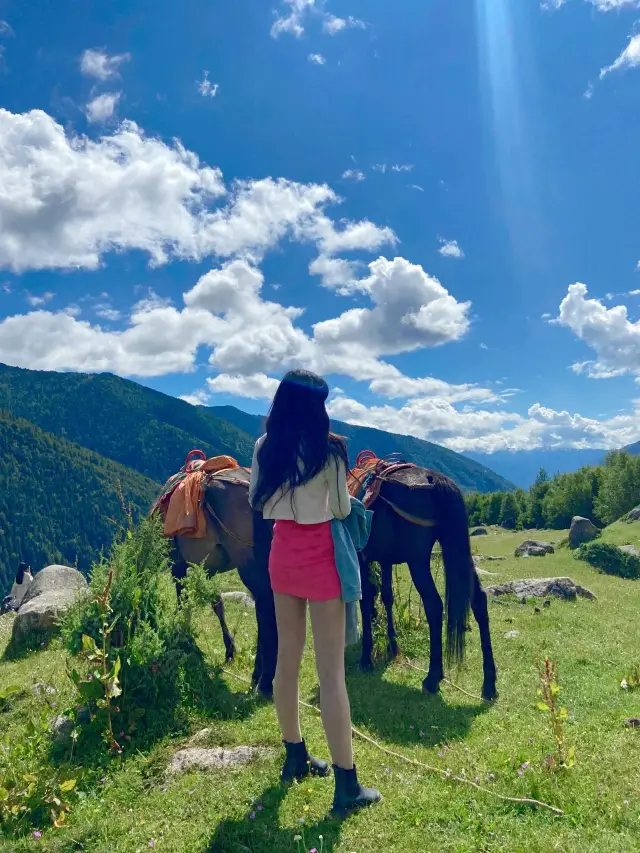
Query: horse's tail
{"x": 453, "y": 535}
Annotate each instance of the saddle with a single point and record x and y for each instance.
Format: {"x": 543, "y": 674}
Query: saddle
{"x": 365, "y": 481}
{"x": 181, "y": 500}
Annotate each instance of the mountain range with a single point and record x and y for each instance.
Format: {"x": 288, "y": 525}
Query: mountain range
{"x": 77, "y": 449}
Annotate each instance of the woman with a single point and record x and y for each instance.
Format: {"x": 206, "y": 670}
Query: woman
{"x": 299, "y": 480}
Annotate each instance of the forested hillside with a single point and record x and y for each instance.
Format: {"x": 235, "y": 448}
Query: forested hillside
{"x": 121, "y": 420}
{"x": 58, "y": 501}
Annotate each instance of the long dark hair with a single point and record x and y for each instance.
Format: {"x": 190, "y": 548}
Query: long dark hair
{"x": 299, "y": 443}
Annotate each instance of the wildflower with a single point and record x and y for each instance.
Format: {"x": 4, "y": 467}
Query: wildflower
{"x": 152, "y": 842}
{"x": 260, "y": 807}
{"x": 305, "y": 809}
{"x": 412, "y": 726}
{"x": 421, "y": 733}
{"x": 297, "y": 838}
{"x": 252, "y": 816}
{"x": 37, "y": 834}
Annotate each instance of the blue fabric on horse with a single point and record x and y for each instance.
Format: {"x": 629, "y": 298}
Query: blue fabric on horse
{"x": 350, "y": 535}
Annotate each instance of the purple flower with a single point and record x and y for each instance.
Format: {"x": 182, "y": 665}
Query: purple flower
{"x": 252, "y": 816}
{"x": 412, "y": 726}
{"x": 37, "y": 834}
{"x": 260, "y": 808}
{"x": 152, "y": 842}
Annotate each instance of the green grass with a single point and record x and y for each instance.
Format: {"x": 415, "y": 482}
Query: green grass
{"x": 595, "y": 645}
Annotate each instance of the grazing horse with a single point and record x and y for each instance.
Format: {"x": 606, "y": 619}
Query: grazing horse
{"x": 236, "y": 538}
{"x": 415, "y": 508}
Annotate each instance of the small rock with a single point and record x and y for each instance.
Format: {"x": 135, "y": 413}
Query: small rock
{"x": 534, "y": 548}
{"x": 52, "y": 592}
{"x": 541, "y": 587}
{"x": 634, "y": 515}
{"x": 240, "y": 596}
{"x": 479, "y": 531}
{"x": 632, "y": 723}
{"x": 537, "y": 610}
{"x": 195, "y": 758}
{"x": 581, "y": 530}
{"x": 44, "y": 690}
{"x": 547, "y": 603}
{"x": 511, "y": 635}
{"x": 630, "y": 549}
{"x": 200, "y": 737}
{"x": 62, "y": 728}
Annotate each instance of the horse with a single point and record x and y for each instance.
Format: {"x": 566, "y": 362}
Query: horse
{"x": 236, "y": 538}
{"x": 414, "y": 508}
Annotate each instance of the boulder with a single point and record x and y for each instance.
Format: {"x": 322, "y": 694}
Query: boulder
{"x": 541, "y": 588}
{"x": 634, "y": 515}
{"x": 534, "y": 548}
{"x": 479, "y": 531}
{"x": 630, "y": 549}
{"x": 216, "y": 758}
{"x": 62, "y": 728}
{"x": 241, "y": 597}
{"x": 52, "y": 592}
{"x": 582, "y": 530}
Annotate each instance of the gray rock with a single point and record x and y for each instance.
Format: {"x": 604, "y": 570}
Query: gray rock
{"x": 541, "y": 588}
{"x": 630, "y": 549}
{"x": 217, "y": 758}
{"x": 511, "y": 635}
{"x": 242, "y": 597}
{"x": 62, "y": 728}
{"x": 44, "y": 690}
{"x": 479, "y": 531}
{"x": 52, "y": 592}
{"x": 581, "y": 530}
{"x": 532, "y": 548}
{"x": 634, "y": 515}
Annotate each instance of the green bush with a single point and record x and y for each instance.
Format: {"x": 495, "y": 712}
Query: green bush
{"x": 134, "y": 643}
{"x": 610, "y": 559}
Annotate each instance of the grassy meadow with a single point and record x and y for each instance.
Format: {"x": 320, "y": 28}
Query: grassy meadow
{"x": 128, "y": 805}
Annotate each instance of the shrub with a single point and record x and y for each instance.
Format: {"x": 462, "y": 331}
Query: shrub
{"x": 609, "y": 559}
{"x": 135, "y": 640}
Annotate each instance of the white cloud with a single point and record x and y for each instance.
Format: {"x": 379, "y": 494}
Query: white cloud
{"x": 488, "y": 431}
{"x": 197, "y": 398}
{"x": 316, "y": 59}
{"x": 354, "y": 175}
{"x": 333, "y": 25}
{"x": 67, "y": 200}
{"x": 629, "y": 58}
{"x": 335, "y": 272}
{"x": 404, "y": 387}
{"x": 206, "y": 88}
{"x": 98, "y": 64}
{"x": 102, "y": 107}
{"x": 411, "y": 310}
{"x": 37, "y": 300}
{"x": 380, "y": 167}
{"x": 634, "y": 293}
{"x": 292, "y": 22}
{"x": 6, "y": 29}
{"x": 416, "y": 187}
{"x": 256, "y": 386}
{"x": 403, "y": 167}
{"x": 105, "y": 311}
{"x": 608, "y": 331}
{"x": 612, "y": 5}
{"x": 450, "y": 249}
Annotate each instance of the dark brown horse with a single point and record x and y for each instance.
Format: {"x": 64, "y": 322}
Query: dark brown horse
{"x": 415, "y": 508}
{"x": 237, "y": 538}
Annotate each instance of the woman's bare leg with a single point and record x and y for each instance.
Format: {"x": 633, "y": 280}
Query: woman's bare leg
{"x": 291, "y": 616}
{"x": 328, "y": 625}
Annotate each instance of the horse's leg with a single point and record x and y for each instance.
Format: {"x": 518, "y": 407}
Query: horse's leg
{"x": 256, "y": 579}
{"x": 218, "y": 609}
{"x": 387, "y": 599}
{"x": 433, "y": 609}
{"x": 481, "y": 613}
{"x": 367, "y": 606}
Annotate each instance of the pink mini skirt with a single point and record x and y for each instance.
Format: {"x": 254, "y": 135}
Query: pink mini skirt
{"x": 302, "y": 561}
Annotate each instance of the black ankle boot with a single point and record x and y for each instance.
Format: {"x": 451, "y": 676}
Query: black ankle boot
{"x": 349, "y": 792}
{"x": 298, "y": 763}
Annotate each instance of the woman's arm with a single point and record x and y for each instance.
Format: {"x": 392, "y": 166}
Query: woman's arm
{"x": 255, "y": 473}
{"x": 339, "y": 497}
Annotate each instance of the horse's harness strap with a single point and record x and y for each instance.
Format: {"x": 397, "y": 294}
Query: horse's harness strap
{"x": 229, "y": 532}
{"x": 414, "y": 519}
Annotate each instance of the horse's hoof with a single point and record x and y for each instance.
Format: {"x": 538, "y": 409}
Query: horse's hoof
{"x": 430, "y": 688}
{"x": 264, "y": 693}
{"x": 394, "y": 651}
{"x": 230, "y": 656}
{"x": 489, "y": 693}
{"x": 366, "y": 666}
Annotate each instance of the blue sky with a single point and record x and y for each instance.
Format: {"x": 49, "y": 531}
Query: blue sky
{"x": 191, "y": 195}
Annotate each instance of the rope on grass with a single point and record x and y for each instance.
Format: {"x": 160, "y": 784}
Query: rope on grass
{"x": 444, "y": 774}
{"x": 446, "y": 681}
